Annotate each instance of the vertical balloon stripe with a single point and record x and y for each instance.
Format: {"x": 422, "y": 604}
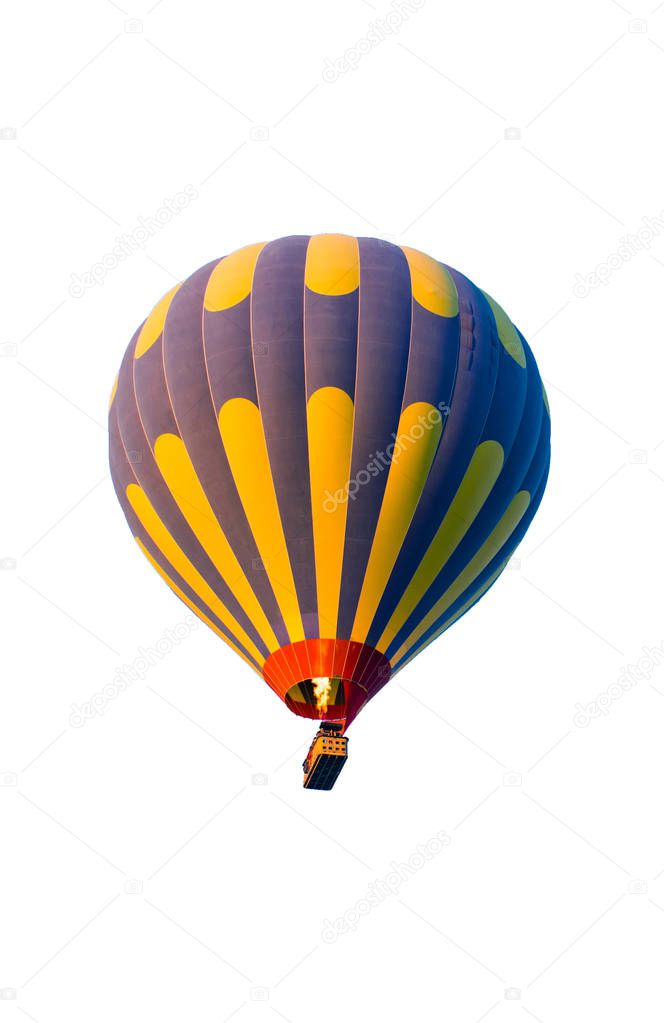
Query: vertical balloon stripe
{"x": 474, "y": 386}
{"x": 431, "y": 372}
{"x": 382, "y": 358}
{"x": 163, "y": 540}
{"x": 480, "y": 476}
{"x": 181, "y": 479}
{"x": 418, "y": 434}
{"x": 142, "y": 416}
{"x": 487, "y": 551}
{"x": 192, "y": 607}
{"x": 241, "y": 430}
{"x": 331, "y": 303}
{"x": 504, "y": 423}
{"x": 190, "y": 382}
{"x": 123, "y": 475}
{"x": 534, "y": 482}
{"x": 330, "y": 432}
{"x": 517, "y": 415}
{"x": 277, "y": 313}
{"x": 511, "y": 402}
{"x": 479, "y": 592}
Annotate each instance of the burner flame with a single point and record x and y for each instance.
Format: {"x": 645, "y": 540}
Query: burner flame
{"x": 322, "y": 691}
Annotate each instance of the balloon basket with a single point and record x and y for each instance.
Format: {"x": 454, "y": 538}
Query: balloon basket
{"x": 326, "y": 757}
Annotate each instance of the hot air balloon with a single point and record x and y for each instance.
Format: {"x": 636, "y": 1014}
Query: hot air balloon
{"x": 329, "y": 448}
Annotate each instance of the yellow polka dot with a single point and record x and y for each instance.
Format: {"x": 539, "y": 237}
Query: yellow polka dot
{"x": 154, "y": 324}
{"x": 333, "y": 264}
{"x": 231, "y": 279}
{"x": 509, "y": 338}
{"x": 431, "y": 283}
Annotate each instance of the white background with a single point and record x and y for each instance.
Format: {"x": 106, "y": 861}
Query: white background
{"x": 145, "y": 874}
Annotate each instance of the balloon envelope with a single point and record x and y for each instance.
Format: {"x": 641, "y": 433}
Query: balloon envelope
{"x": 329, "y": 448}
